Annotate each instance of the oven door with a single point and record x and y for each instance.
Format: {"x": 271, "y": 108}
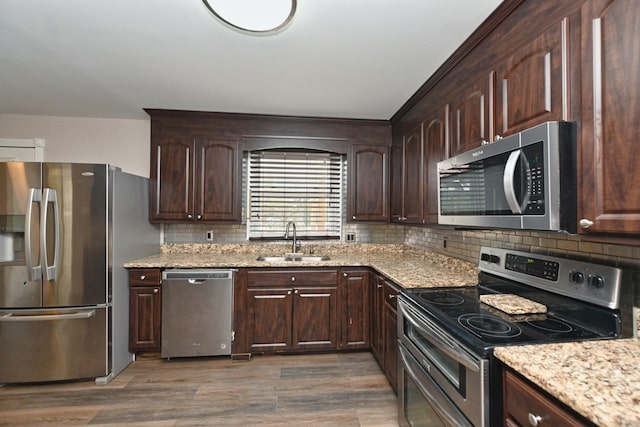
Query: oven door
{"x": 441, "y": 366}
{"x": 421, "y": 403}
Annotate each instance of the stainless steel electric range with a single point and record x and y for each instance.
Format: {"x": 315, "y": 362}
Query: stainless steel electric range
{"x": 448, "y": 375}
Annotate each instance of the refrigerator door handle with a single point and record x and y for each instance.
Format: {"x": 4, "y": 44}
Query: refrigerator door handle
{"x": 50, "y": 196}
{"x": 33, "y": 272}
{"x": 11, "y": 317}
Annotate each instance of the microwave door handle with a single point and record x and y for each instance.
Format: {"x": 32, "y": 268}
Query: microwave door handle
{"x": 33, "y": 272}
{"x": 457, "y": 354}
{"x": 509, "y": 184}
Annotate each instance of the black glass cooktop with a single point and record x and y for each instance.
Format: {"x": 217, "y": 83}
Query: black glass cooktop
{"x": 481, "y": 327}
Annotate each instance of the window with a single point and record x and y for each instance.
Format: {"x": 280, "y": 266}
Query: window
{"x": 300, "y": 186}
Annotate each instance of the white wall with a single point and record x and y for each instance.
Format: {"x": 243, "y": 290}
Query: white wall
{"x": 123, "y": 143}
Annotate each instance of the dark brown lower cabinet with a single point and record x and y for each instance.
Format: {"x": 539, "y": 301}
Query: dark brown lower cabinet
{"x": 291, "y": 310}
{"x": 145, "y": 309}
{"x": 376, "y": 289}
{"x": 390, "y": 333}
{"x": 525, "y": 404}
{"x": 355, "y": 309}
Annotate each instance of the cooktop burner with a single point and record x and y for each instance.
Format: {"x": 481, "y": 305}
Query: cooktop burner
{"x": 551, "y": 325}
{"x": 442, "y": 298}
{"x": 488, "y": 325}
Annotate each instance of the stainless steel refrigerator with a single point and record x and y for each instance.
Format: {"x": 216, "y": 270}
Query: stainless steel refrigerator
{"x": 65, "y": 232}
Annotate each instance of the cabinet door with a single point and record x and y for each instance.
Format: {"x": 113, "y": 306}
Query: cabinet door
{"x": 470, "y": 116}
{"x": 531, "y": 85}
{"x": 355, "y": 312}
{"x": 270, "y": 316}
{"x": 435, "y": 145}
{"x": 368, "y": 183}
{"x": 397, "y": 165}
{"x": 172, "y": 179}
{"x": 609, "y": 193}
{"x": 391, "y": 335}
{"x": 412, "y": 194}
{"x": 145, "y": 314}
{"x": 218, "y": 187}
{"x": 315, "y": 318}
{"x": 377, "y": 318}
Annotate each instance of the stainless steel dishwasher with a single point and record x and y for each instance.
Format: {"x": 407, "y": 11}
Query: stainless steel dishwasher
{"x": 197, "y": 307}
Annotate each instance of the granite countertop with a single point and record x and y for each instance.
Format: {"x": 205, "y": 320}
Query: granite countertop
{"x": 598, "y": 379}
{"x": 406, "y": 266}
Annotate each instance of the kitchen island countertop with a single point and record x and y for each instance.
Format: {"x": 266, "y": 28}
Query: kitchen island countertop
{"x": 406, "y": 266}
{"x": 598, "y": 379}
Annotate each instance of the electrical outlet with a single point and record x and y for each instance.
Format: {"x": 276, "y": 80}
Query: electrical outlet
{"x": 444, "y": 243}
{"x": 209, "y": 236}
{"x": 350, "y": 237}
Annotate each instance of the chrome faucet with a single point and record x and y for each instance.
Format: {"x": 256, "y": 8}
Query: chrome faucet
{"x": 294, "y": 245}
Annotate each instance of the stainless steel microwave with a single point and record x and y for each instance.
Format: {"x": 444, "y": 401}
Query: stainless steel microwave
{"x": 525, "y": 181}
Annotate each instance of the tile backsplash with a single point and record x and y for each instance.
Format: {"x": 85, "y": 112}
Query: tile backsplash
{"x": 461, "y": 244}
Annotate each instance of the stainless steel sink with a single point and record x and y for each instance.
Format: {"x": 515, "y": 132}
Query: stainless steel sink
{"x": 302, "y": 258}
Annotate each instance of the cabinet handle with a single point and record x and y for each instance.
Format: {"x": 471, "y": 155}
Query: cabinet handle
{"x": 288, "y": 292}
{"x": 585, "y": 223}
{"x": 534, "y": 420}
{"x": 143, "y": 277}
{"x": 344, "y": 274}
{"x": 498, "y": 138}
{"x": 485, "y": 142}
{"x": 354, "y": 217}
{"x": 391, "y": 297}
{"x": 155, "y": 290}
{"x": 296, "y": 291}
{"x": 189, "y": 216}
{"x": 293, "y": 279}
{"x": 199, "y": 216}
{"x": 379, "y": 286}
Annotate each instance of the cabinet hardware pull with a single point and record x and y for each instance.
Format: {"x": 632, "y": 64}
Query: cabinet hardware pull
{"x": 199, "y": 216}
{"x": 391, "y": 296}
{"x": 189, "y": 216}
{"x": 288, "y": 292}
{"x": 344, "y": 275}
{"x": 297, "y": 291}
{"x": 585, "y": 223}
{"x": 155, "y": 290}
{"x": 498, "y": 138}
{"x": 534, "y": 420}
{"x": 293, "y": 279}
{"x": 143, "y": 277}
{"x": 354, "y": 217}
{"x": 379, "y": 286}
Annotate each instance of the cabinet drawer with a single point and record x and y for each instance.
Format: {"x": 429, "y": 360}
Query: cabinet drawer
{"x": 391, "y": 294}
{"x": 292, "y": 277}
{"x": 145, "y": 277}
{"x": 526, "y": 405}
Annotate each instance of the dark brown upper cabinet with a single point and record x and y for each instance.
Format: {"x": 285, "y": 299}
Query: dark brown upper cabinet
{"x": 470, "y": 116}
{"x": 434, "y": 137}
{"x": 531, "y": 84}
{"x": 609, "y": 185}
{"x": 407, "y": 188}
{"x": 368, "y": 183}
{"x": 195, "y": 179}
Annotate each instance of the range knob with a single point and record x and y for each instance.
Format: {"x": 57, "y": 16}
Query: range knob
{"x": 596, "y": 281}
{"x": 576, "y": 277}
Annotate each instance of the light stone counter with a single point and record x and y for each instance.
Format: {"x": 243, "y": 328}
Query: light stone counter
{"x": 598, "y": 379}
{"x": 406, "y": 266}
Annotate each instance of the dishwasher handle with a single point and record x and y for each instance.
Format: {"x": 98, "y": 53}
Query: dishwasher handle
{"x": 197, "y": 276}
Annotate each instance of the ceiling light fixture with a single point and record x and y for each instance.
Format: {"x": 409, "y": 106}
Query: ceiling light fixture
{"x": 255, "y": 17}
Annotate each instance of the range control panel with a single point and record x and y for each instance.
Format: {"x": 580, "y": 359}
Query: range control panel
{"x": 595, "y": 283}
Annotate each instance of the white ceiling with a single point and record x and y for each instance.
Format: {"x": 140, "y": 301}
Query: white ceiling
{"x": 339, "y": 58}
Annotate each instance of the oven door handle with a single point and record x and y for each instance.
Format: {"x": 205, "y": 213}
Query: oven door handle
{"x": 439, "y": 404}
{"x": 455, "y": 352}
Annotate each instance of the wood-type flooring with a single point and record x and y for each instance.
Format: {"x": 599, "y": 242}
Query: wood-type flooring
{"x": 338, "y": 389}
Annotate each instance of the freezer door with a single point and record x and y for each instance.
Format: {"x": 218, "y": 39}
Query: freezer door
{"x": 20, "y": 272}
{"x": 74, "y": 233}
{"x": 53, "y": 345}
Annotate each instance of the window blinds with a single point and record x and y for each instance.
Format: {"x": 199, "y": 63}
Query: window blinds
{"x": 303, "y": 187}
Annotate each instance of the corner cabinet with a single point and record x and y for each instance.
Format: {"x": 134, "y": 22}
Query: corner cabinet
{"x": 145, "y": 309}
{"x": 195, "y": 179}
{"x": 610, "y": 182}
{"x": 368, "y": 183}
